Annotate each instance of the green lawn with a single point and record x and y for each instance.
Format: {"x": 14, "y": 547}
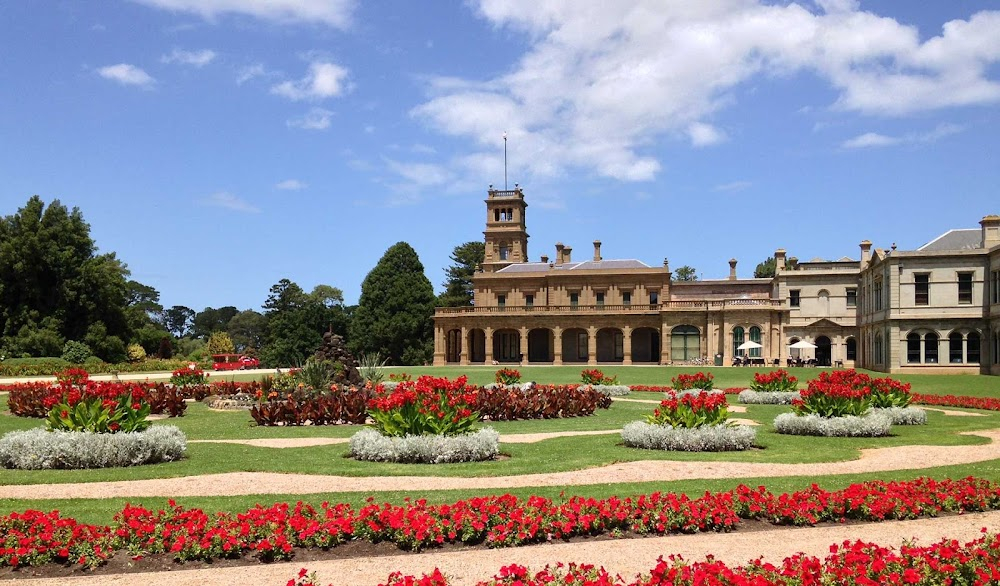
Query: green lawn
{"x": 552, "y": 455}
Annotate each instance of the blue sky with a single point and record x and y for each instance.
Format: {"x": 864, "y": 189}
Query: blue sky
{"x": 219, "y": 146}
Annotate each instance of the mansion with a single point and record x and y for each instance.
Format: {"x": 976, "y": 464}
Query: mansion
{"x": 934, "y": 309}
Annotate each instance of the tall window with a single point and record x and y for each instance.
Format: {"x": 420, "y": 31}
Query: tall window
{"x": 995, "y": 288}
{"x": 921, "y": 289}
{"x": 685, "y": 343}
{"x": 654, "y": 297}
{"x": 574, "y": 299}
{"x": 852, "y": 349}
{"x": 627, "y": 298}
{"x": 581, "y": 346}
{"x": 501, "y": 301}
{"x": 955, "y": 348}
{"x": 619, "y": 345}
{"x": 913, "y": 347}
{"x": 877, "y": 294}
{"x": 972, "y": 348}
{"x": 996, "y": 347}
{"x": 504, "y": 251}
{"x": 738, "y": 340}
{"x": 878, "y": 348}
{"x": 529, "y": 300}
{"x": 793, "y": 297}
{"x": 852, "y": 297}
{"x": 600, "y": 299}
{"x": 931, "y": 348}
{"x": 755, "y": 337}
{"x": 965, "y": 287}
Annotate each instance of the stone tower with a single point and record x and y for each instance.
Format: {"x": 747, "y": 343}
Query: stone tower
{"x": 506, "y": 235}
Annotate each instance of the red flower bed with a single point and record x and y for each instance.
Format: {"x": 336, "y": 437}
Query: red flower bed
{"x": 985, "y": 403}
{"x": 331, "y": 407}
{"x": 36, "y": 399}
{"x": 857, "y": 562}
{"x": 691, "y": 410}
{"x": 774, "y": 381}
{"x": 685, "y": 382}
{"x": 34, "y": 538}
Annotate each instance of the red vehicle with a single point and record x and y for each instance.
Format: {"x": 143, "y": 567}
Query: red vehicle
{"x": 233, "y": 362}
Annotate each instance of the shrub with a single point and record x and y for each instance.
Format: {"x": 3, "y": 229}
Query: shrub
{"x": 76, "y": 352}
{"x": 300, "y": 407}
{"x": 870, "y": 425}
{"x": 596, "y": 377}
{"x": 220, "y": 343}
{"x": 778, "y": 381}
{"x": 507, "y": 376}
{"x": 752, "y": 397}
{"x": 691, "y": 410}
{"x": 136, "y": 353}
{"x": 832, "y": 400}
{"x": 500, "y": 403}
{"x": 166, "y": 349}
{"x": 700, "y": 380}
{"x": 371, "y": 367}
{"x": 477, "y": 446}
{"x": 316, "y": 374}
{"x": 192, "y": 375}
{"x": 37, "y": 449}
{"x": 707, "y": 438}
{"x": 904, "y": 415}
{"x": 428, "y": 406}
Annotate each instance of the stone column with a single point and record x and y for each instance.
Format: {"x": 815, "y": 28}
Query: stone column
{"x": 557, "y": 346}
{"x": 627, "y": 345}
{"x": 463, "y": 357}
{"x": 592, "y": 346}
{"x": 489, "y": 345}
{"x": 664, "y": 344}
{"x": 524, "y": 345}
{"x": 439, "y": 346}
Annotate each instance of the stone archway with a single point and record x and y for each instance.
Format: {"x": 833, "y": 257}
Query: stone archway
{"x": 453, "y": 346}
{"x": 610, "y": 345}
{"x": 824, "y": 351}
{"x": 540, "y": 345}
{"x": 477, "y": 345}
{"x": 574, "y": 345}
{"x": 507, "y": 346}
{"x": 645, "y": 345}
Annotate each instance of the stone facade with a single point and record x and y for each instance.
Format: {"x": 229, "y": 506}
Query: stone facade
{"x": 597, "y": 311}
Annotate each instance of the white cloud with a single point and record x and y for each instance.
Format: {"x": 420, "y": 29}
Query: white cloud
{"x": 733, "y": 186}
{"x": 420, "y": 174}
{"x": 314, "y": 119}
{"x": 324, "y": 80}
{"x": 224, "y": 199}
{"x": 601, "y": 82}
{"x": 334, "y": 13}
{"x": 702, "y": 134}
{"x": 249, "y": 72}
{"x": 873, "y": 139}
{"x": 126, "y": 74}
{"x": 195, "y": 58}
{"x": 291, "y": 185}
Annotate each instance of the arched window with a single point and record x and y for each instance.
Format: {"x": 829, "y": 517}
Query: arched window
{"x": 852, "y": 349}
{"x": 755, "y": 337}
{"x": 738, "y": 339}
{"x": 955, "y": 348}
{"x": 878, "y": 348}
{"x": 685, "y": 343}
{"x": 823, "y": 300}
{"x": 913, "y": 347}
{"x": 972, "y": 348}
{"x": 931, "y": 348}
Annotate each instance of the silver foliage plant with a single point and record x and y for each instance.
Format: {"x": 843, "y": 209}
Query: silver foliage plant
{"x": 751, "y": 397}
{"x": 372, "y": 446}
{"x": 612, "y": 390}
{"x": 38, "y": 449}
{"x": 869, "y": 425}
{"x": 708, "y": 438}
{"x": 905, "y": 415}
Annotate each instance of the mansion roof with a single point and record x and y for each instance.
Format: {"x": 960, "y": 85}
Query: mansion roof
{"x": 964, "y": 239}
{"x": 588, "y": 265}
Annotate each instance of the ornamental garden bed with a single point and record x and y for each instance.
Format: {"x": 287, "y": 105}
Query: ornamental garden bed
{"x": 690, "y": 421}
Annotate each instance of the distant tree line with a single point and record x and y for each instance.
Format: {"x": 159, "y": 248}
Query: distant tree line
{"x": 60, "y": 297}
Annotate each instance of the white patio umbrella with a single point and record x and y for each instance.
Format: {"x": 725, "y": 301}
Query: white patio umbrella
{"x": 803, "y": 345}
{"x": 749, "y": 345}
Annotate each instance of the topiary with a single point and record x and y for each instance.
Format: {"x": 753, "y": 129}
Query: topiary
{"x": 136, "y": 353}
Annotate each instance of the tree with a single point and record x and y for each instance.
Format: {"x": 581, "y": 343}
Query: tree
{"x": 394, "y": 312}
{"x": 248, "y": 330}
{"x": 211, "y": 320}
{"x": 55, "y": 287}
{"x": 685, "y": 273}
{"x": 766, "y": 269}
{"x": 178, "y": 320}
{"x": 458, "y": 286}
{"x": 219, "y": 343}
{"x": 296, "y": 321}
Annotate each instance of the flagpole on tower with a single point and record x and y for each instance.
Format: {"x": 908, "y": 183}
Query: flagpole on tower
{"x": 505, "y": 161}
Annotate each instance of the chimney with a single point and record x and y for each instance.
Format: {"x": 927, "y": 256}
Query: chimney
{"x": 666, "y": 264}
{"x": 567, "y": 254}
{"x": 597, "y": 250}
{"x": 991, "y": 231}
{"x": 779, "y": 260}
{"x": 866, "y": 252}
{"x": 732, "y": 269}
{"x": 545, "y": 258}
{"x": 559, "y": 253}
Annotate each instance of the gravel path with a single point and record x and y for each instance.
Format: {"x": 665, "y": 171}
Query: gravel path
{"x": 626, "y": 557}
{"x": 911, "y": 457}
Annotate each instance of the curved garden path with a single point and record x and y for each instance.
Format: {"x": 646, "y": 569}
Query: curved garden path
{"x": 910, "y": 457}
